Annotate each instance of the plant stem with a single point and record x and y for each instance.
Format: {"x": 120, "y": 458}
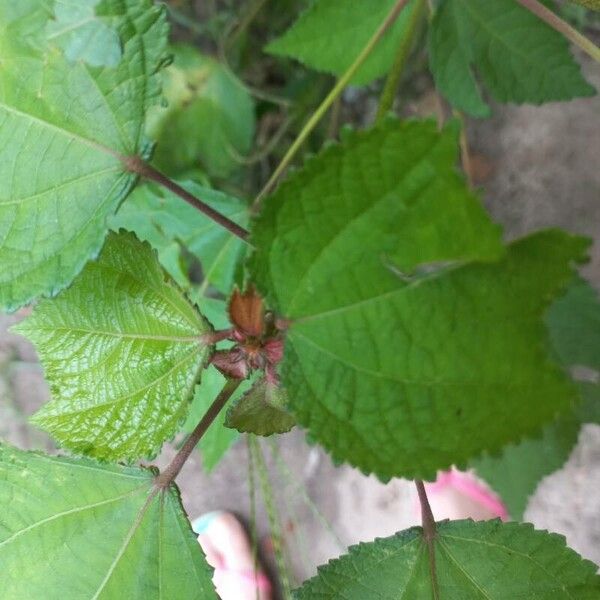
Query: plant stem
{"x": 216, "y": 336}
{"x": 429, "y": 533}
{"x": 170, "y": 473}
{"x": 406, "y": 43}
{"x": 552, "y": 19}
{"x": 330, "y": 99}
{"x": 135, "y": 164}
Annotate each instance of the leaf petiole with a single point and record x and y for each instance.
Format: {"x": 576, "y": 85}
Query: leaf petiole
{"x": 165, "y": 478}
{"x": 429, "y": 533}
{"x": 135, "y": 164}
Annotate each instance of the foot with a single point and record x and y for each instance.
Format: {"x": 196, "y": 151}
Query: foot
{"x": 228, "y": 551}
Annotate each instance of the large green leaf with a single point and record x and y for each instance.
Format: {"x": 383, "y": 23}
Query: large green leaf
{"x": 170, "y": 225}
{"x": 574, "y": 325}
{"x": 330, "y": 34}
{"x": 487, "y": 560}
{"x": 517, "y": 57}
{"x": 76, "y": 529}
{"x": 123, "y": 350}
{"x": 404, "y": 353}
{"x": 64, "y": 128}
{"x": 209, "y": 120}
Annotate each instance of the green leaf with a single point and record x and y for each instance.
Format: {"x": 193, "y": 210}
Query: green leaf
{"x": 394, "y": 364}
{"x": 261, "y": 410}
{"x": 330, "y": 34}
{"x": 77, "y": 529}
{"x": 209, "y": 119}
{"x": 88, "y": 30}
{"x": 517, "y": 57}
{"x": 574, "y": 324}
{"x": 64, "y": 129}
{"x": 123, "y": 350}
{"x": 589, "y": 408}
{"x": 491, "y": 560}
{"x": 515, "y": 473}
{"x": 218, "y": 439}
{"x": 161, "y": 218}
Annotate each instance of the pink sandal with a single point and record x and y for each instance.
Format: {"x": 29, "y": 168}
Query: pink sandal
{"x": 468, "y": 486}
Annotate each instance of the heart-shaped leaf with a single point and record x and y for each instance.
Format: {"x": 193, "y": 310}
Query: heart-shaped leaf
{"x": 408, "y": 348}
{"x": 491, "y": 560}
{"x": 123, "y": 350}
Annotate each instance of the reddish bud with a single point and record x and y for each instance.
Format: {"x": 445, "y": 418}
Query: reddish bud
{"x": 246, "y": 312}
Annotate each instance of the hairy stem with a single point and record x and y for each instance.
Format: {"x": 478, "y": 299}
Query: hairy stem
{"x": 429, "y": 533}
{"x": 395, "y": 75}
{"x": 170, "y": 473}
{"x": 552, "y": 19}
{"x": 134, "y": 164}
{"x": 330, "y": 99}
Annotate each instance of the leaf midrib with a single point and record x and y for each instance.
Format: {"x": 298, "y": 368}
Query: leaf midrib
{"x": 123, "y": 398}
{"x": 123, "y": 335}
{"x": 128, "y": 537}
{"x": 63, "y": 131}
{"x": 437, "y": 383}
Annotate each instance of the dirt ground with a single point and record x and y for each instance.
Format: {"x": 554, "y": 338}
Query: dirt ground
{"x": 539, "y": 166}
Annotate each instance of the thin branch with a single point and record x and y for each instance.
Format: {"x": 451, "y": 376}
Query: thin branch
{"x": 429, "y": 533}
{"x": 134, "y": 164}
{"x": 552, "y": 19}
{"x": 392, "y": 82}
{"x": 170, "y": 473}
{"x": 330, "y": 99}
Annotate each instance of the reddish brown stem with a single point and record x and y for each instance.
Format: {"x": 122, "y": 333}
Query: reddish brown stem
{"x": 429, "y": 534}
{"x": 170, "y": 473}
{"x": 135, "y": 164}
{"x": 217, "y": 336}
